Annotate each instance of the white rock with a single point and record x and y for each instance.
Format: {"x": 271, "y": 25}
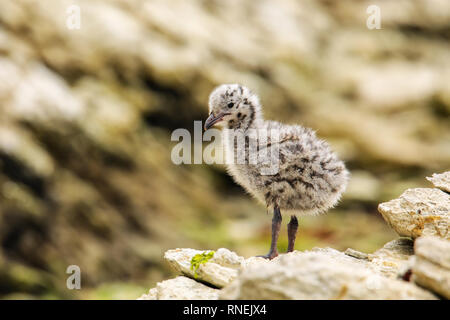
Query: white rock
{"x": 227, "y": 258}
{"x": 181, "y": 288}
{"x": 441, "y": 180}
{"x": 356, "y": 254}
{"x": 318, "y": 274}
{"x": 151, "y": 295}
{"x": 432, "y": 265}
{"x": 218, "y": 271}
{"x": 394, "y": 258}
{"x": 419, "y": 212}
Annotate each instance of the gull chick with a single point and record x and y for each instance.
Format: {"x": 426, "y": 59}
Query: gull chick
{"x": 309, "y": 177}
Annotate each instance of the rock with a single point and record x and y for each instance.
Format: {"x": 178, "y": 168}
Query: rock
{"x": 432, "y": 265}
{"x": 337, "y": 255}
{"x": 321, "y": 274}
{"x": 419, "y": 212}
{"x": 219, "y": 271}
{"x": 151, "y": 295}
{"x": 441, "y": 180}
{"x": 356, "y": 254}
{"x": 326, "y": 273}
{"x": 181, "y": 288}
{"x": 227, "y": 258}
{"x": 394, "y": 258}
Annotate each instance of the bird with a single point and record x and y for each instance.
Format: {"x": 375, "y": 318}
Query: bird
{"x": 309, "y": 178}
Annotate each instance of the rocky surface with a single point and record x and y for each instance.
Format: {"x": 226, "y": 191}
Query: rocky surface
{"x": 417, "y": 267}
{"x": 441, "y": 181}
{"x": 181, "y": 288}
{"x": 394, "y": 258}
{"x": 219, "y": 271}
{"x": 317, "y": 275}
{"x": 431, "y": 268}
{"x": 419, "y": 212}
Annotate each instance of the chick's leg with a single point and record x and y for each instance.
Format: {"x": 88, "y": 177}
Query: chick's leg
{"x": 276, "y": 224}
{"x": 292, "y": 233}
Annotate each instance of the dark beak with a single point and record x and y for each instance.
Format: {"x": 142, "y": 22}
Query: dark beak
{"x": 212, "y": 120}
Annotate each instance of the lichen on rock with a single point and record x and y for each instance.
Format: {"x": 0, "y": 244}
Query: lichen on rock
{"x": 215, "y": 270}
{"x": 419, "y": 212}
{"x": 199, "y": 259}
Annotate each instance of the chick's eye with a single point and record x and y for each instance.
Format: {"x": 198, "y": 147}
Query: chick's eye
{"x": 230, "y": 105}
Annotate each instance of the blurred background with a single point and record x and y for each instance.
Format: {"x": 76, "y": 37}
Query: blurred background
{"x": 86, "y": 117}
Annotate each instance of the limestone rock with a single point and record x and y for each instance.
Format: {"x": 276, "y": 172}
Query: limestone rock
{"x": 441, "y": 180}
{"x": 219, "y": 271}
{"x": 356, "y": 254}
{"x": 391, "y": 261}
{"x": 432, "y": 265}
{"x": 151, "y": 295}
{"x": 181, "y": 288}
{"x": 227, "y": 258}
{"x": 317, "y": 275}
{"x": 394, "y": 258}
{"x": 336, "y": 255}
{"x": 419, "y": 212}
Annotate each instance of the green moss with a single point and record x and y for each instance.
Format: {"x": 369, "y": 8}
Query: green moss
{"x": 199, "y": 259}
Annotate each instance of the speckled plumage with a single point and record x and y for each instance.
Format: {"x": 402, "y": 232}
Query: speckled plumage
{"x": 310, "y": 179}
